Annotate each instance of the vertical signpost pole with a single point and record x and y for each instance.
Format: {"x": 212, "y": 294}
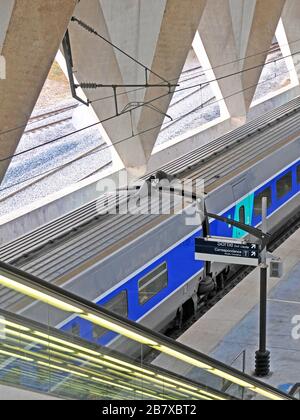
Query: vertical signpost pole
{"x": 201, "y": 210}
{"x": 262, "y": 359}
{"x": 262, "y": 356}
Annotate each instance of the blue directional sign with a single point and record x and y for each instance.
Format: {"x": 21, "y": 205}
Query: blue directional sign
{"x": 228, "y": 251}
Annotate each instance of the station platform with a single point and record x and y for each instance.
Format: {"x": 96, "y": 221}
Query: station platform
{"x": 229, "y": 332}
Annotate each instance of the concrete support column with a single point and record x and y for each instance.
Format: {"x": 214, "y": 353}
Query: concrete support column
{"x": 290, "y": 21}
{"x": 286, "y": 51}
{"x": 157, "y": 33}
{"x": 237, "y": 35}
{"x": 218, "y": 38}
{"x": 6, "y": 9}
{"x": 32, "y": 39}
{"x": 208, "y": 69}
{"x": 264, "y": 16}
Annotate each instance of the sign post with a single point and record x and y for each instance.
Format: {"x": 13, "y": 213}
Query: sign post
{"x": 226, "y": 250}
{"x": 231, "y": 251}
{"x": 242, "y": 253}
{"x": 262, "y": 356}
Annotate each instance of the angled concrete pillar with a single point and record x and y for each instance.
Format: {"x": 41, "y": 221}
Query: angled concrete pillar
{"x": 292, "y": 60}
{"x": 159, "y": 34}
{"x": 208, "y": 70}
{"x": 255, "y": 23}
{"x": 290, "y": 20}
{"x": 85, "y": 116}
{"x": 6, "y": 9}
{"x": 33, "y": 32}
{"x": 218, "y": 37}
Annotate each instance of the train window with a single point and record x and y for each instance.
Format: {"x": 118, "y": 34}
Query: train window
{"x": 298, "y": 174}
{"x": 284, "y": 185}
{"x": 117, "y": 305}
{"x": 74, "y": 330}
{"x": 258, "y": 201}
{"x": 153, "y": 283}
{"x": 242, "y": 214}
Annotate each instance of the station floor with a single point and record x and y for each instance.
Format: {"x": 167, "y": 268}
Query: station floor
{"x": 231, "y": 327}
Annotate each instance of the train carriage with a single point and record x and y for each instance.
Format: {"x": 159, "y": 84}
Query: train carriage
{"x": 143, "y": 267}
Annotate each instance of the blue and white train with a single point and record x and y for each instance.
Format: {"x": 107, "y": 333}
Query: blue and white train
{"x": 175, "y": 271}
{"x": 144, "y": 267}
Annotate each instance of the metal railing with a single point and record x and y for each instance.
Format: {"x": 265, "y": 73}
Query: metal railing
{"x": 55, "y": 303}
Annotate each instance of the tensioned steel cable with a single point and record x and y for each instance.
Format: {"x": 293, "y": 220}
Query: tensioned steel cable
{"x": 172, "y": 92}
{"x": 122, "y": 140}
{"x": 132, "y": 136}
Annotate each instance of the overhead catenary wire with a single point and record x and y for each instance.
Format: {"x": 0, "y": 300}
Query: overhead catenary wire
{"x": 2, "y": 133}
{"x": 130, "y": 137}
{"x": 137, "y": 134}
{"x": 241, "y": 72}
{"x": 94, "y": 32}
{"x": 91, "y": 30}
{"x": 172, "y": 80}
{"x": 138, "y": 89}
{"x": 170, "y": 93}
{"x": 202, "y": 73}
{"x": 205, "y": 70}
{"x": 209, "y": 81}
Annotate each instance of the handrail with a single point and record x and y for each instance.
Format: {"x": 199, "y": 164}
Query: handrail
{"x": 33, "y": 342}
{"x": 40, "y": 290}
{"x": 294, "y": 390}
{"x": 227, "y": 384}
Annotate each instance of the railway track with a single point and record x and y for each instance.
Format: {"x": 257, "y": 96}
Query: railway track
{"x": 274, "y": 48}
{"x": 49, "y": 114}
{"x": 53, "y": 171}
{"x": 46, "y": 126}
{"x": 42, "y": 117}
{"x": 182, "y": 117}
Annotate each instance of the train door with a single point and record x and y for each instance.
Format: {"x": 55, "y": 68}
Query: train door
{"x": 243, "y": 214}
{"x": 244, "y": 208}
